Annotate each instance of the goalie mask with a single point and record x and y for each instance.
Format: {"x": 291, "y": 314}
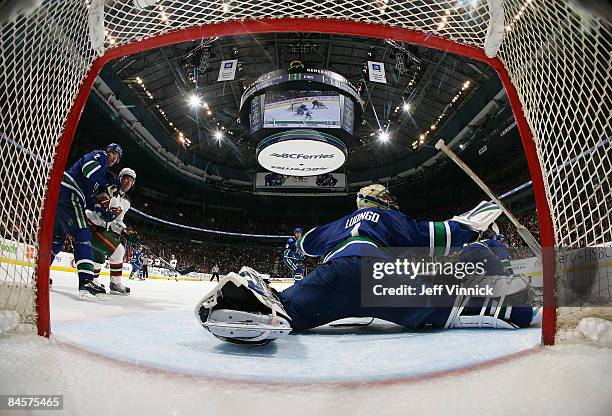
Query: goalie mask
{"x": 376, "y": 196}
{"x": 243, "y": 309}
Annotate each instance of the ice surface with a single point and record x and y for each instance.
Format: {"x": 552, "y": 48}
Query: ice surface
{"x": 145, "y": 354}
{"x": 155, "y": 326}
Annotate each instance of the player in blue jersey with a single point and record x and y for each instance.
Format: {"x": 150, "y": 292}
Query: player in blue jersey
{"x": 79, "y": 185}
{"x": 332, "y": 291}
{"x": 292, "y": 256}
{"x": 137, "y": 262}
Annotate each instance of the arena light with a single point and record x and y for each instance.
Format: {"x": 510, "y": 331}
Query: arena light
{"x": 139, "y": 80}
{"x": 407, "y": 107}
{"x": 219, "y": 135}
{"x": 384, "y": 136}
{"x": 194, "y": 101}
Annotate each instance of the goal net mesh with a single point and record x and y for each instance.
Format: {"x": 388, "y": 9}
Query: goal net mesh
{"x": 557, "y": 57}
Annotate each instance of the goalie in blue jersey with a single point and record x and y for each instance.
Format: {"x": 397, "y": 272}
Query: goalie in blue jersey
{"x": 244, "y": 309}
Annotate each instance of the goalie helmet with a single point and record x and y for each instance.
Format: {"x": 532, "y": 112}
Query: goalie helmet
{"x": 376, "y": 196}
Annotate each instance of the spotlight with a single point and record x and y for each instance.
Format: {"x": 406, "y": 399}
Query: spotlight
{"x": 194, "y": 101}
{"x": 218, "y": 135}
{"x": 384, "y": 136}
{"x": 407, "y": 107}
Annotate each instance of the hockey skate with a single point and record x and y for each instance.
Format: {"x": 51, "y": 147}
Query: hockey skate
{"x": 91, "y": 291}
{"x": 243, "y": 309}
{"x": 119, "y": 289}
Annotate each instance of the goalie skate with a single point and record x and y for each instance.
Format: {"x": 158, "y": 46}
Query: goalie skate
{"x": 243, "y": 309}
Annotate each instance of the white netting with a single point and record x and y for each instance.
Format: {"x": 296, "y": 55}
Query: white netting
{"x": 558, "y": 59}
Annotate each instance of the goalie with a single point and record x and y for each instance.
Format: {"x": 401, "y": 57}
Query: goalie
{"x": 243, "y": 309}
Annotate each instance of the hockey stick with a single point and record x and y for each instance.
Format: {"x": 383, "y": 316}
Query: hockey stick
{"x": 522, "y": 230}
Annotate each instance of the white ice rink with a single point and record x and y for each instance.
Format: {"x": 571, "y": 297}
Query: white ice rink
{"x": 146, "y": 354}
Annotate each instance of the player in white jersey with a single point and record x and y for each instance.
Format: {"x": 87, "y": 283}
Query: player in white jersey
{"x": 106, "y": 235}
{"x": 173, "y": 263}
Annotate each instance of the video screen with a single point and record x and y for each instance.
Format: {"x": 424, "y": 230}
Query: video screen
{"x": 303, "y": 109}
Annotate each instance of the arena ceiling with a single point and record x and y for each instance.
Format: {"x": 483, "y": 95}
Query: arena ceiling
{"x": 428, "y": 80}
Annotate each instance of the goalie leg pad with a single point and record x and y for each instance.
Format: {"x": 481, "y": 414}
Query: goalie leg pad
{"x": 491, "y": 311}
{"x": 243, "y": 309}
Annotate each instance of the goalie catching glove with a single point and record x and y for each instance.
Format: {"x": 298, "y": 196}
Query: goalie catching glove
{"x": 243, "y": 309}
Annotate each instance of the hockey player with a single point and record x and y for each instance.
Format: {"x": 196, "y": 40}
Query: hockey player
{"x": 173, "y": 263}
{"x": 79, "y": 185}
{"x": 136, "y": 262}
{"x": 333, "y": 290}
{"x": 292, "y": 257}
{"x": 318, "y": 104}
{"x": 106, "y": 235}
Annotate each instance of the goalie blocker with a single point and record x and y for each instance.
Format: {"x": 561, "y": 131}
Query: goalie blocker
{"x": 243, "y": 309}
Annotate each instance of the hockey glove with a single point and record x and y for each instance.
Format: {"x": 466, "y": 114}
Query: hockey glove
{"x": 104, "y": 213}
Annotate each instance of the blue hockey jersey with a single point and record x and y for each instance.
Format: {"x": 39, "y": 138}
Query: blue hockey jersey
{"x": 86, "y": 176}
{"x": 136, "y": 257}
{"x": 291, "y": 249}
{"x": 376, "y": 227}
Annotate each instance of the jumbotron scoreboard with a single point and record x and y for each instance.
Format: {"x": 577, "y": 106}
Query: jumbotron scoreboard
{"x": 301, "y": 119}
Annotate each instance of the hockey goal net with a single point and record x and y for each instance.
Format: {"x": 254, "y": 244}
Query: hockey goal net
{"x": 553, "y": 59}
